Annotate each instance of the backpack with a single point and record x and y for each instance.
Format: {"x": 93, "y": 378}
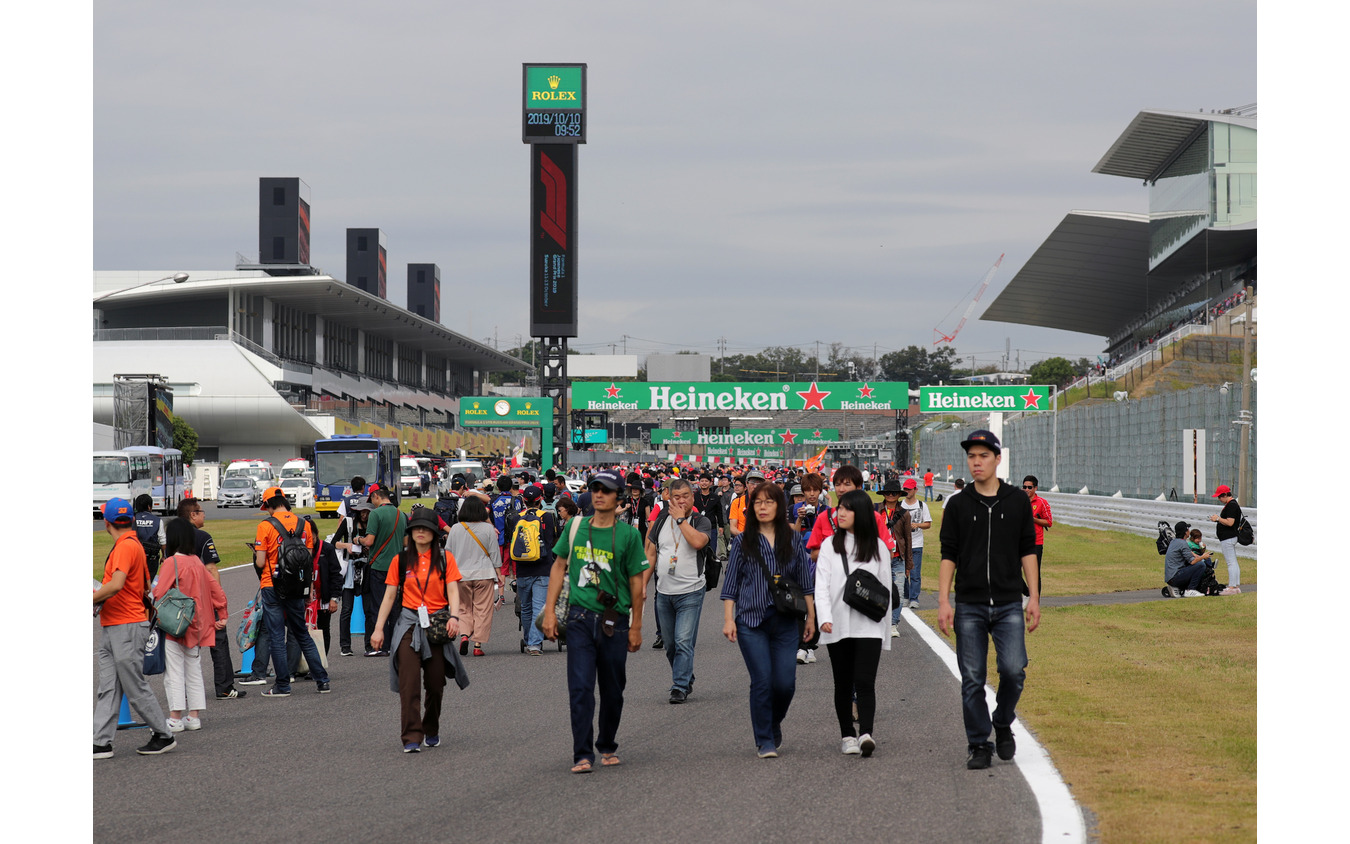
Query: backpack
{"x": 525, "y": 539}
{"x": 293, "y": 574}
{"x": 1245, "y": 534}
{"x": 448, "y": 510}
{"x": 1209, "y": 585}
{"x": 1165, "y": 537}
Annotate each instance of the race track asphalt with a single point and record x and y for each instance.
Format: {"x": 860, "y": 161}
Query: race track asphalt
{"x": 329, "y": 767}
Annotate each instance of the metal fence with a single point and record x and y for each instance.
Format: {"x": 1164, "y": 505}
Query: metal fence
{"x": 1133, "y": 447}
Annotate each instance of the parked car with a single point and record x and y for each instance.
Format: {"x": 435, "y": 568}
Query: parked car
{"x": 238, "y": 491}
{"x": 299, "y": 492}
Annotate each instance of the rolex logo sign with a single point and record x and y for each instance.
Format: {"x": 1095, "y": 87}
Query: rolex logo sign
{"x": 553, "y": 82}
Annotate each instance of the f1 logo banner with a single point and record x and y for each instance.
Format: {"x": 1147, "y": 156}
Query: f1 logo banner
{"x": 553, "y": 240}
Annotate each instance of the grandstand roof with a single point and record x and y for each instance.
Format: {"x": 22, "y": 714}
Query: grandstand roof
{"x": 1153, "y": 136}
{"x": 1090, "y": 275}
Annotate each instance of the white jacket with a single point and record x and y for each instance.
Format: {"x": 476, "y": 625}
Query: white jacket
{"x": 847, "y": 622}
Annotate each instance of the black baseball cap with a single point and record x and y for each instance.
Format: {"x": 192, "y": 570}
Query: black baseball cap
{"x": 982, "y": 437}
{"x": 609, "y": 479}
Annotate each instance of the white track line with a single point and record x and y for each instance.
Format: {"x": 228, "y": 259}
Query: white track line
{"x": 1061, "y": 818}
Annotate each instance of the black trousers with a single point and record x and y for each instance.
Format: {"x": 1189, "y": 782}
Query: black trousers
{"x": 371, "y": 598}
{"x": 345, "y": 619}
{"x": 854, "y": 664}
{"x": 221, "y": 663}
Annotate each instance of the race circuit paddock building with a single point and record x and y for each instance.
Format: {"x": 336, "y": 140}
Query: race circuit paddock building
{"x": 262, "y": 365}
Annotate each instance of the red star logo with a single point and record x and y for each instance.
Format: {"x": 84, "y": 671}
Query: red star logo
{"x": 1030, "y": 399}
{"x": 789, "y": 438}
{"x": 865, "y": 391}
{"x": 813, "y": 397}
{"x": 676, "y": 435}
{"x": 815, "y": 434}
{"x": 611, "y": 392}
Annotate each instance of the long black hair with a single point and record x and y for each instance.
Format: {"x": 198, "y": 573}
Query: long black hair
{"x": 865, "y": 539}
{"x": 783, "y": 536}
{"x": 180, "y": 537}
{"x": 407, "y": 558}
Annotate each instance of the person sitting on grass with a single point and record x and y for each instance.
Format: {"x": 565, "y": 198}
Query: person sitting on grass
{"x": 1183, "y": 569}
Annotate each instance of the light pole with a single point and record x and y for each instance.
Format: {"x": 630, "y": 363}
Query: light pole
{"x": 176, "y": 278}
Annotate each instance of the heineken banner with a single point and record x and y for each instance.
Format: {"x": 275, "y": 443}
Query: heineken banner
{"x": 983, "y": 399}
{"x": 722, "y": 397}
{"x": 744, "y": 451}
{"x": 748, "y": 436}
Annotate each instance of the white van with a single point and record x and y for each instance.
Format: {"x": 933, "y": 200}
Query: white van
{"x": 409, "y": 478}
{"x": 296, "y": 468}
{"x": 259, "y": 471}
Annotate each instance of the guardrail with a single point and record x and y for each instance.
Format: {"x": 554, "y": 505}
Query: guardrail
{"x": 1134, "y": 515}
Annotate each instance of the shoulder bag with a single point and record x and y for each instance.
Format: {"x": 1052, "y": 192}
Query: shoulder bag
{"x": 174, "y": 611}
{"x": 864, "y": 593}
{"x": 788, "y": 597}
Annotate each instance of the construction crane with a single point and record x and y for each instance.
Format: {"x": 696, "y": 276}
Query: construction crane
{"x": 948, "y": 338}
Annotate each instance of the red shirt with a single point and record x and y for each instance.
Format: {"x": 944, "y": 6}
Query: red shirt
{"x": 1040, "y": 508}
{"x": 928, "y": 479}
{"x": 824, "y": 529}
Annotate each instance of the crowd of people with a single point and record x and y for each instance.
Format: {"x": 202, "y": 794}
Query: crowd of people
{"x": 792, "y": 572}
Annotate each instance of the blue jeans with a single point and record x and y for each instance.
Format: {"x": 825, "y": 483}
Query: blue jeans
{"x": 975, "y": 624}
{"x": 901, "y": 585}
{"x": 532, "y": 591}
{"x": 915, "y": 576}
{"x": 770, "y": 654}
{"x": 928, "y": 493}
{"x": 592, "y": 656}
{"x": 679, "y": 615}
{"x": 283, "y": 615}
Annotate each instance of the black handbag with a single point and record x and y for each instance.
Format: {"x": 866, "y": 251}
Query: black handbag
{"x": 864, "y": 593}
{"x": 788, "y": 597}
{"x": 436, "y": 633}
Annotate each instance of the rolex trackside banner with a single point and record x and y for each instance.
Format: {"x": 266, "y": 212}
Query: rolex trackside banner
{"x": 747, "y": 436}
{"x": 719, "y": 397}
{"x": 983, "y": 399}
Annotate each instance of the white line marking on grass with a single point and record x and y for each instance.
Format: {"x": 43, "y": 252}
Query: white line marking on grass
{"x": 1061, "y": 818}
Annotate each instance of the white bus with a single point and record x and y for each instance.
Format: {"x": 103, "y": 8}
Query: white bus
{"x": 168, "y": 479}
{"x": 120, "y": 474}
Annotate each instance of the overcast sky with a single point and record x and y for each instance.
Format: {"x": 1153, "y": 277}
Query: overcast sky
{"x": 772, "y": 173}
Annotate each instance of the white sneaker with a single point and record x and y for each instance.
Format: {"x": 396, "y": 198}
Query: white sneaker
{"x": 801, "y": 656}
{"x": 1231, "y": 590}
{"x": 175, "y": 725}
{"x": 1192, "y": 593}
{"x": 866, "y": 745}
{"x": 849, "y": 746}
{"x": 190, "y": 723}
{"x": 895, "y": 631}
{"x": 914, "y": 605}
{"x": 810, "y": 657}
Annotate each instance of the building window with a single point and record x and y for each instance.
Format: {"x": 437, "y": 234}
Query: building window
{"x": 278, "y": 249}
{"x": 361, "y": 244}
{"x": 421, "y": 276}
{"x": 278, "y": 196}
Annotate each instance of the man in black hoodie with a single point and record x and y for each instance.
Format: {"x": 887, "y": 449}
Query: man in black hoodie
{"x": 989, "y": 545}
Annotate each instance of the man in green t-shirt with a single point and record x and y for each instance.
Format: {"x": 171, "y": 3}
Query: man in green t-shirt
{"x": 384, "y": 537}
{"x": 603, "y": 562}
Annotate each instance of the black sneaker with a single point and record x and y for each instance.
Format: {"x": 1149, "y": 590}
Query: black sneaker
{"x": 1004, "y": 741}
{"x": 678, "y": 696}
{"x": 103, "y": 751}
{"x": 324, "y": 687}
{"x": 232, "y": 694}
{"x": 981, "y": 756}
{"x": 158, "y": 744}
{"x": 275, "y": 692}
{"x": 659, "y": 643}
{"x": 252, "y": 681}
{"x": 347, "y": 652}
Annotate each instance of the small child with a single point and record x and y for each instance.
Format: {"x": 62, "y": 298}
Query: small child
{"x": 1196, "y": 542}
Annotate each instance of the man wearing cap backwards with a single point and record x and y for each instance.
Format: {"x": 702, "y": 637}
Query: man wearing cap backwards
{"x": 120, "y": 604}
{"x": 920, "y": 520}
{"x": 602, "y": 561}
{"x": 1226, "y": 529}
{"x": 989, "y": 545}
{"x": 284, "y": 616}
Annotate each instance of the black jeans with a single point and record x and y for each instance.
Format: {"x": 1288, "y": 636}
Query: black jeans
{"x": 345, "y": 619}
{"x": 854, "y": 663}
{"x": 371, "y": 597}
{"x": 221, "y": 663}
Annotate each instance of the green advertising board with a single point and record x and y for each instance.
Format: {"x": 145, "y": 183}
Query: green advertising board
{"x": 554, "y": 104}
{"x": 984, "y": 399}
{"x": 756, "y": 396}
{"x": 590, "y": 435}
{"x": 501, "y": 412}
{"x": 745, "y": 451}
{"x": 748, "y": 436}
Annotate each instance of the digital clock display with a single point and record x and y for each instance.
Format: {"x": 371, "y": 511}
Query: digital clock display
{"x": 554, "y": 104}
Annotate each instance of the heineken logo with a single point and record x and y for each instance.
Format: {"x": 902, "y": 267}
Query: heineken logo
{"x": 1006, "y": 399}
{"x": 745, "y": 397}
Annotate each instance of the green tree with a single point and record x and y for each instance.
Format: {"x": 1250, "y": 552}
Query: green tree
{"x": 917, "y": 366}
{"x": 1053, "y": 371}
{"x": 184, "y": 438}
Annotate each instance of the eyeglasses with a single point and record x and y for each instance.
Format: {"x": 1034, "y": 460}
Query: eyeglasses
{"x": 1024, "y": 486}
{"x": 601, "y": 488}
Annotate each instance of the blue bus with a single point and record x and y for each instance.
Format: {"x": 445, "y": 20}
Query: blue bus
{"x": 339, "y": 458}
{"x": 168, "y": 478}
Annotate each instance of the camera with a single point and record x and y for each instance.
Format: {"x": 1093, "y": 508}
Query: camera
{"x": 607, "y": 600}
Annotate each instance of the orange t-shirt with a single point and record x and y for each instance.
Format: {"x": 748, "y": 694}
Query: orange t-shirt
{"x": 126, "y": 607}
{"x": 423, "y": 583}
{"x": 270, "y": 541}
{"x": 928, "y": 479}
{"x": 737, "y": 516}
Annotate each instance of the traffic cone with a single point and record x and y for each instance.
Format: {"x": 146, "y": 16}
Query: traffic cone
{"x": 246, "y": 661}
{"x": 358, "y": 618}
{"x": 124, "y": 719}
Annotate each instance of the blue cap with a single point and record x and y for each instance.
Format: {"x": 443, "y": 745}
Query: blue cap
{"x": 609, "y": 479}
{"x": 985, "y": 438}
{"x": 118, "y": 511}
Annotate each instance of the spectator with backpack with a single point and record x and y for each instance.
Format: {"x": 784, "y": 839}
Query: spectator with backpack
{"x": 356, "y": 564}
{"x": 533, "y": 532}
{"x": 503, "y": 505}
{"x": 150, "y": 531}
{"x": 1227, "y": 524}
{"x": 283, "y": 554}
{"x": 425, "y": 603}
{"x": 1183, "y": 569}
{"x": 448, "y": 500}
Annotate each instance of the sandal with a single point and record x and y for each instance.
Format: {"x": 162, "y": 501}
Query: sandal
{"x": 582, "y": 767}
{"x": 609, "y": 760}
